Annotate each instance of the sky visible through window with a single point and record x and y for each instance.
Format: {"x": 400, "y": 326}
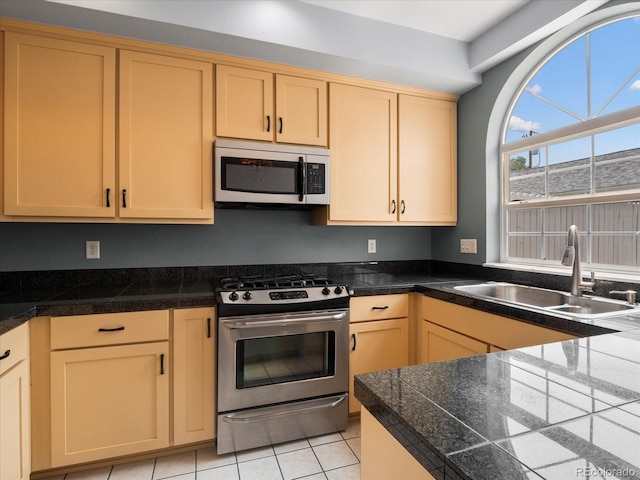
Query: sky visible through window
{"x": 595, "y": 75}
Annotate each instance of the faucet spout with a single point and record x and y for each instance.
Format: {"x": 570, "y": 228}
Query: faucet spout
{"x": 571, "y": 258}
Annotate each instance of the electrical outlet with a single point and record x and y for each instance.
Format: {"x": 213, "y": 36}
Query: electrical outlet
{"x": 468, "y": 245}
{"x": 92, "y": 249}
{"x": 371, "y": 245}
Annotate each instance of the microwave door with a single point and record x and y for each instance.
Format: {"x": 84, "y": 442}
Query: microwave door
{"x": 255, "y": 180}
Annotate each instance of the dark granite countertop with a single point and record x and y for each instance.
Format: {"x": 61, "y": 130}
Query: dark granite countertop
{"x": 121, "y": 290}
{"x": 557, "y": 411}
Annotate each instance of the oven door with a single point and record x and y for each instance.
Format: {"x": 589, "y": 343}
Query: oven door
{"x": 276, "y": 358}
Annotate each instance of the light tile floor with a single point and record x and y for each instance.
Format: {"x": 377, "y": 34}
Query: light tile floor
{"x": 329, "y": 457}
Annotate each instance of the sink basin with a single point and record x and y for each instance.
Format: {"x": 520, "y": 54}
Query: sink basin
{"x": 551, "y": 300}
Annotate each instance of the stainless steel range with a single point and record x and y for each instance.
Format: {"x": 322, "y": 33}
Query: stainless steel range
{"x": 283, "y": 362}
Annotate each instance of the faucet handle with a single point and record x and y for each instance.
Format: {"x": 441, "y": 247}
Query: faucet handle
{"x": 630, "y": 294}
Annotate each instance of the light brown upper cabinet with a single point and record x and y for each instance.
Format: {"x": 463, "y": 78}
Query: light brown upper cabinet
{"x": 363, "y": 132}
{"x": 60, "y": 134}
{"x": 393, "y": 159}
{"x": 165, "y": 137}
{"x": 59, "y": 128}
{"x": 427, "y": 178}
{"x": 245, "y": 106}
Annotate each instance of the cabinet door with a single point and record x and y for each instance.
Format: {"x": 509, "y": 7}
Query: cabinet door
{"x": 59, "y": 128}
{"x": 301, "y": 110}
{"x": 385, "y": 457}
{"x": 244, "y": 103}
{"x": 109, "y": 401}
{"x": 363, "y": 145}
{"x": 377, "y": 345}
{"x": 194, "y": 369}
{"x": 441, "y": 344}
{"x": 166, "y": 137}
{"x": 15, "y": 411}
{"x": 427, "y": 160}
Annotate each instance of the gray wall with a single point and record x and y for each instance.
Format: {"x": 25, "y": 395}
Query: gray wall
{"x": 250, "y": 237}
{"x": 238, "y": 237}
{"x": 481, "y": 113}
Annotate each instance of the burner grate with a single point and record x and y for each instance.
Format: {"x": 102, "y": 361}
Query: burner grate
{"x": 279, "y": 281}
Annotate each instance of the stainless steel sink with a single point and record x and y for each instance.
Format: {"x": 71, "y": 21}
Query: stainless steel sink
{"x": 550, "y": 300}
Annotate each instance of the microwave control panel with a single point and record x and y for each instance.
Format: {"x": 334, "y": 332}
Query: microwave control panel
{"x": 316, "y": 181}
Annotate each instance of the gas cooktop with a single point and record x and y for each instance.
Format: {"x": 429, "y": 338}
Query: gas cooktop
{"x": 259, "y": 282}
{"x": 279, "y": 292}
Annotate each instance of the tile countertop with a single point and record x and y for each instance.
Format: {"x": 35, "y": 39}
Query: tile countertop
{"x": 557, "y": 411}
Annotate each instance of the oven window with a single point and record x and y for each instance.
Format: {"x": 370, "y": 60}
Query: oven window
{"x": 259, "y": 176}
{"x": 289, "y": 358}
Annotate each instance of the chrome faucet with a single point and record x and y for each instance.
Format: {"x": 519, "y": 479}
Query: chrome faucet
{"x": 571, "y": 258}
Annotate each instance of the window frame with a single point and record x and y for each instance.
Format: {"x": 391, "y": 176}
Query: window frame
{"x": 587, "y": 128}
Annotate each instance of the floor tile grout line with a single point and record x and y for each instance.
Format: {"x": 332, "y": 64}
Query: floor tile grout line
{"x": 237, "y": 462}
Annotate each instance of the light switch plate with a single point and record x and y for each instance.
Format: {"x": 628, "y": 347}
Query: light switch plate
{"x": 468, "y": 245}
{"x": 371, "y": 245}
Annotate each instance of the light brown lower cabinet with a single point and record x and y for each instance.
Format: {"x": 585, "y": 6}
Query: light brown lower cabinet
{"x": 383, "y": 457}
{"x": 194, "y": 369}
{"x": 109, "y": 400}
{"x": 376, "y": 345}
{"x": 15, "y": 418}
{"x": 117, "y": 384}
{"x": 449, "y": 331}
{"x": 440, "y": 344}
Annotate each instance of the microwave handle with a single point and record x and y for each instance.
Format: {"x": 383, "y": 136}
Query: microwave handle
{"x": 301, "y": 177}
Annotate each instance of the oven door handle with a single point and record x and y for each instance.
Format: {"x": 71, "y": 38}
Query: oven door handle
{"x": 289, "y": 409}
{"x": 279, "y": 322}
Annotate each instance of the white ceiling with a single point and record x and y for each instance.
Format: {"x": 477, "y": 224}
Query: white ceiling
{"x": 442, "y": 45}
{"x": 462, "y": 20}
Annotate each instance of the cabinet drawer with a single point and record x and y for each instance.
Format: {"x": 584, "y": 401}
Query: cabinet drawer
{"x": 14, "y": 346}
{"x": 379, "y": 307}
{"x": 109, "y": 329}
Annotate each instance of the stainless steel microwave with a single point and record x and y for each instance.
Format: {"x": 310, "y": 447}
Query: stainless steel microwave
{"x": 267, "y": 173}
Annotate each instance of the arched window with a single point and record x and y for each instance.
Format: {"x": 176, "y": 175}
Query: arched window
{"x": 571, "y": 153}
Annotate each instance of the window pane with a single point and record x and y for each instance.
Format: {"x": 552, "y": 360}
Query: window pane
{"x": 615, "y": 250}
{"x": 527, "y": 247}
{"x": 616, "y": 217}
{"x": 559, "y": 219}
{"x": 570, "y": 168}
{"x": 617, "y": 162}
{"x": 524, "y": 233}
{"x": 526, "y": 176}
{"x": 616, "y": 241}
{"x": 556, "y": 96}
{"x": 612, "y": 89}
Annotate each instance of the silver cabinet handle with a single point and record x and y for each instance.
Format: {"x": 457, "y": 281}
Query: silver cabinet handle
{"x": 279, "y": 322}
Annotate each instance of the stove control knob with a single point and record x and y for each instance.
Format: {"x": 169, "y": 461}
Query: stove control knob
{"x": 247, "y": 295}
{"x": 233, "y": 296}
{"x": 326, "y": 291}
{"x": 338, "y": 290}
